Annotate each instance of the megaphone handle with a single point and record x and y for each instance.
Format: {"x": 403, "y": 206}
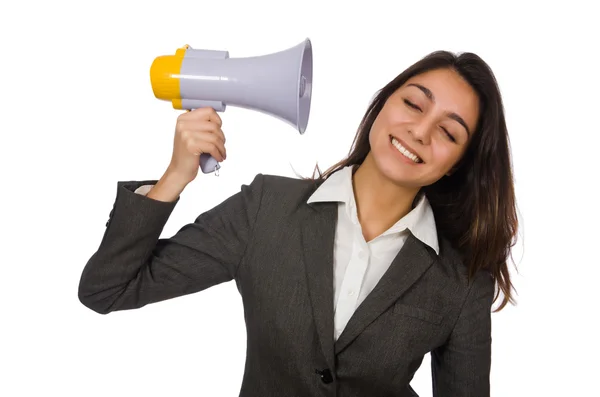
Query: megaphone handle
{"x": 208, "y": 163}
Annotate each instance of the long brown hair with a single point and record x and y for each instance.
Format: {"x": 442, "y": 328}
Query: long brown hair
{"x": 474, "y": 207}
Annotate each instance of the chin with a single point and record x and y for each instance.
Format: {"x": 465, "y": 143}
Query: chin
{"x": 400, "y": 174}
{"x": 400, "y": 171}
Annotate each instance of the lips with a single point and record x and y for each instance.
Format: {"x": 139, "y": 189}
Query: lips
{"x": 406, "y": 150}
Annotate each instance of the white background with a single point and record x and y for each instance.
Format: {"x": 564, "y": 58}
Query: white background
{"x": 77, "y": 115}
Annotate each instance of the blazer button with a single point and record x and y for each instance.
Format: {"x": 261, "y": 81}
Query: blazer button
{"x": 326, "y": 376}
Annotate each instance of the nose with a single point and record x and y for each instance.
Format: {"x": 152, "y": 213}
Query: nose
{"x": 421, "y": 132}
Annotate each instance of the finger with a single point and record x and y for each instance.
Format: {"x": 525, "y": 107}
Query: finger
{"x": 200, "y": 125}
{"x": 219, "y": 132}
{"x": 214, "y": 116}
{"x": 206, "y": 140}
{"x": 203, "y": 147}
{"x": 211, "y": 149}
{"x": 205, "y": 113}
{"x": 192, "y": 137}
{"x": 192, "y": 127}
{"x": 195, "y": 114}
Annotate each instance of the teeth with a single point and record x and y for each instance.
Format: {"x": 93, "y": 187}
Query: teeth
{"x": 405, "y": 151}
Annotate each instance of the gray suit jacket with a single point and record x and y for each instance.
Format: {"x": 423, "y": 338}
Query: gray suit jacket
{"x": 279, "y": 251}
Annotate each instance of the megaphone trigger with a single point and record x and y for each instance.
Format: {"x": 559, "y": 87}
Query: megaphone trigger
{"x": 278, "y": 84}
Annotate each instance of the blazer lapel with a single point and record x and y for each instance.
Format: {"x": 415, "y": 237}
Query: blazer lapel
{"x": 406, "y": 268}
{"x": 318, "y": 233}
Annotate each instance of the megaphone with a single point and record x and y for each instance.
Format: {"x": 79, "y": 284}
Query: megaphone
{"x": 278, "y": 84}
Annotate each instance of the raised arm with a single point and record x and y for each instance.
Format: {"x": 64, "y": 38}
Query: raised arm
{"x": 132, "y": 267}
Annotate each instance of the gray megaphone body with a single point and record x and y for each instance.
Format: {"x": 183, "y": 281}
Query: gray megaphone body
{"x": 278, "y": 84}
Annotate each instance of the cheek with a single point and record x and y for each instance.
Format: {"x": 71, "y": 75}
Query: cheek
{"x": 377, "y": 134}
{"x": 445, "y": 156}
{"x": 396, "y": 115}
{"x": 390, "y": 117}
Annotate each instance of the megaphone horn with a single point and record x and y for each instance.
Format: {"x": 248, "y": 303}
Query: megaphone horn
{"x": 278, "y": 84}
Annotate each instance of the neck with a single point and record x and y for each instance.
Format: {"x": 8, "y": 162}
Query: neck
{"x": 380, "y": 202}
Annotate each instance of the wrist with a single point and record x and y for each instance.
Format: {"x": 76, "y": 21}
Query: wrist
{"x": 173, "y": 177}
{"x": 168, "y": 188}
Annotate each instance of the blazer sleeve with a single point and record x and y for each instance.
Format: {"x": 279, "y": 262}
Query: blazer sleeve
{"x": 461, "y": 367}
{"x": 133, "y": 267}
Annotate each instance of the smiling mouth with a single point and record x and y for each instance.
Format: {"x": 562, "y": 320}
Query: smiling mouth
{"x": 404, "y": 151}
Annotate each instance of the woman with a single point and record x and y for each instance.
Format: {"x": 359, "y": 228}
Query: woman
{"x": 348, "y": 279}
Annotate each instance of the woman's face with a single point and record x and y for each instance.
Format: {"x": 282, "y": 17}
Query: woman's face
{"x": 424, "y": 128}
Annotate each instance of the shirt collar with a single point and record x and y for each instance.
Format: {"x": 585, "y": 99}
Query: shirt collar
{"x": 420, "y": 220}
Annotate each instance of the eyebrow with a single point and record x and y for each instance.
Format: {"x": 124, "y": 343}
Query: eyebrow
{"x": 451, "y": 115}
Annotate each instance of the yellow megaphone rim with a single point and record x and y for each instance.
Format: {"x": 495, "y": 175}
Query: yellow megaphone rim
{"x": 164, "y": 76}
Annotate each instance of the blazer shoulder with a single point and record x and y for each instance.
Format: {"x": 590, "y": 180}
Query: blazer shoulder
{"x": 285, "y": 188}
{"x": 452, "y": 263}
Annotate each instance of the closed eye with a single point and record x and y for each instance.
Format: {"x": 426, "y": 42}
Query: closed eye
{"x": 448, "y": 134}
{"x": 412, "y": 105}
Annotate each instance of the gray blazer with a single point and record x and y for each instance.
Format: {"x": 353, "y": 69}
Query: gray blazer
{"x": 279, "y": 251}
